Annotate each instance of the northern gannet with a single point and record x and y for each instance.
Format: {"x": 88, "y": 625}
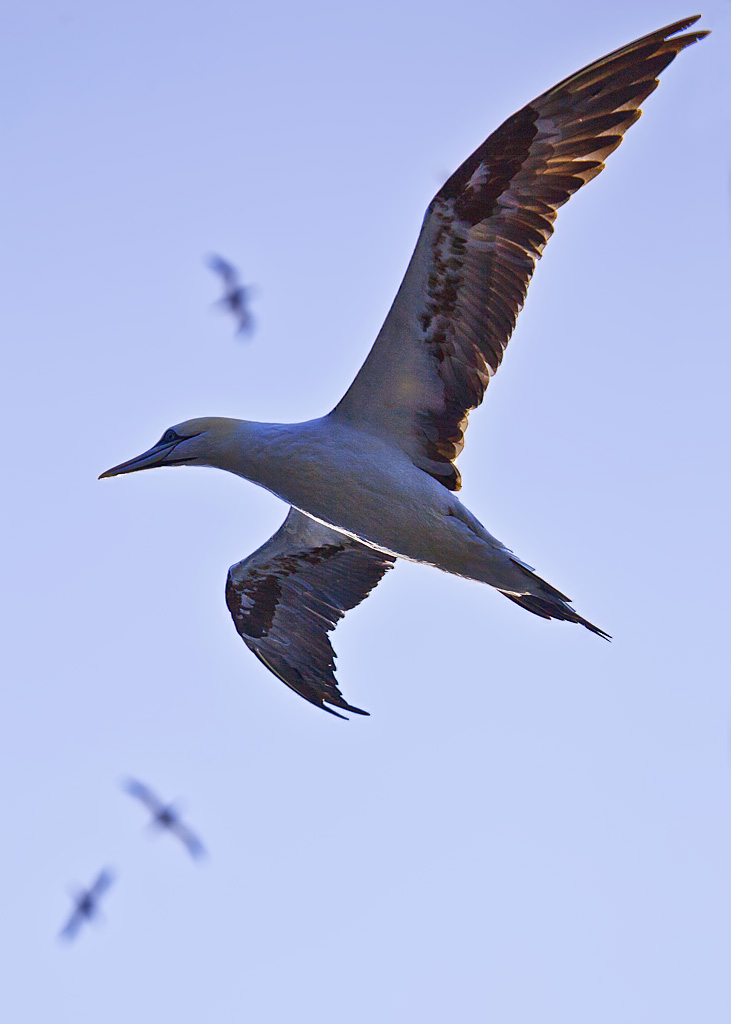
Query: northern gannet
{"x": 165, "y": 816}
{"x": 375, "y": 479}
{"x": 86, "y": 905}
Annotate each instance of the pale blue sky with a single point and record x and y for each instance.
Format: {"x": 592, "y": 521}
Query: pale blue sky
{"x": 532, "y": 825}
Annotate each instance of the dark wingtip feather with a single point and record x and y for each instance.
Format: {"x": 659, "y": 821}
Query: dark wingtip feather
{"x": 345, "y": 706}
{"x": 670, "y": 35}
{"x": 309, "y": 694}
{"x": 358, "y": 711}
{"x": 324, "y": 707}
{"x": 678, "y": 26}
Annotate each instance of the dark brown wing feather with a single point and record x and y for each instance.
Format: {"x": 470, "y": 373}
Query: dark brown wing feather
{"x": 456, "y": 309}
{"x": 288, "y": 595}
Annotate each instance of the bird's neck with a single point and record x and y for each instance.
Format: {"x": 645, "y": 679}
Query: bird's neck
{"x": 263, "y": 453}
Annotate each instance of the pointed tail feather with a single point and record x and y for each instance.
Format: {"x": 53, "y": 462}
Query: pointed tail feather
{"x": 549, "y": 603}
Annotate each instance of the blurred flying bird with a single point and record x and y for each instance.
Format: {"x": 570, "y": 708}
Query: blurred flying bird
{"x": 235, "y": 297}
{"x": 86, "y": 905}
{"x": 165, "y": 816}
{"x": 375, "y": 479}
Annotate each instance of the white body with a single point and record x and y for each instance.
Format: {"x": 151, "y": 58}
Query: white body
{"x": 370, "y": 490}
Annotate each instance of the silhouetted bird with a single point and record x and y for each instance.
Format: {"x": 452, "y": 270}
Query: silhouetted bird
{"x": 235, "y": 297}
{"x": 165, "y": 816}
{"x": 86, "y": 905}
{"x": 375, "y": 479}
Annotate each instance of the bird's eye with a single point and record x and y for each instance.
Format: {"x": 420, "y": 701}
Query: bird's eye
{"x": 168, "y": 436}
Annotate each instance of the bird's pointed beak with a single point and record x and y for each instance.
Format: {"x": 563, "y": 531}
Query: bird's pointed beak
{"x": 153, "y": 457}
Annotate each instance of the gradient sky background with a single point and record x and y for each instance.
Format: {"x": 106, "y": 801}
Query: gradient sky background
{"x": 533, "y": 825}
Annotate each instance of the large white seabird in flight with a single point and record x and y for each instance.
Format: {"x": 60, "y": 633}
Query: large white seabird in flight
{"x": 375, "y": 479}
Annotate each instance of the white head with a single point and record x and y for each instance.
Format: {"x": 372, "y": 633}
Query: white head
{"x": 200, "y": 442}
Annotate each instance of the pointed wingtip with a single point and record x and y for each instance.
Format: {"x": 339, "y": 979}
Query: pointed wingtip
{"x": 690, "y": 20}
{"x": 670, "y": 31}
{"x": 348, "y": 707}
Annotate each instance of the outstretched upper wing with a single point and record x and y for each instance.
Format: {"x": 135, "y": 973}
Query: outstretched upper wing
{"x": 225, "y": 270}
{"x": 144, "y": 794}
{"x": 483, "y": 232}
{"x": 288, "y": 595}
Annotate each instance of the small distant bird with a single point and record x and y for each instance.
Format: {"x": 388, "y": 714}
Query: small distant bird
{"x": 86, "y": 905}
{"x": 235, "y": 297}
{"x": 165, "y": 816}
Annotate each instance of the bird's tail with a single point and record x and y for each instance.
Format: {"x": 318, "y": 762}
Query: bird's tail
{"x": 549, "y": 603}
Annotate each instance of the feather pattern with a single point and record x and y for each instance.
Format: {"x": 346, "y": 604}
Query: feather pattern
{"x": 288, "y": 595}
{"x": 483, "y": 233}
